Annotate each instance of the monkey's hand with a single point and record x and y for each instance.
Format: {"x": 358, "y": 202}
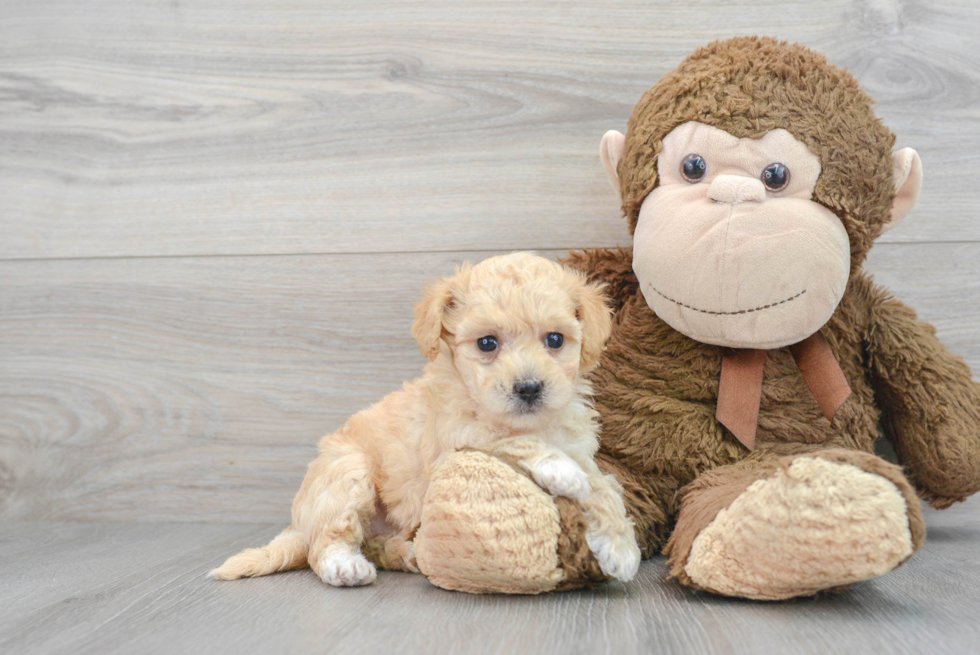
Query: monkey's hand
{"x": 930, "y": 403}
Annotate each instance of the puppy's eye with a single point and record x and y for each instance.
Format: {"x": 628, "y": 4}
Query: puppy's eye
{"x": 487, "y": 344}
{"x": 775, "y": 177}
{"x": 693, "y": 168}
{"x": 554, "y": 340}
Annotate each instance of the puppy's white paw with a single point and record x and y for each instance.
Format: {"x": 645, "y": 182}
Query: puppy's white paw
{"x": 562, "y": 477}
{"x": 618, "y": 555}
{"x": 347, "y": 570}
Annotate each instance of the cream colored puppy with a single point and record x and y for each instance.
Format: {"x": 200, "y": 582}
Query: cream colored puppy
{"x": 509, "y": 342}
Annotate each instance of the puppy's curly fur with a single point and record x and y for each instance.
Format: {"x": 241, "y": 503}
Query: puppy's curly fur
{"x": 522, "y": 397}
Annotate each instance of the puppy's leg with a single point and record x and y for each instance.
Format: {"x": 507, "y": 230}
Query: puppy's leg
{"x": 336, "y": 502}
{"x": 391, "y": 552}
{"x": 610, "y": 533}
{"x": 549, "y": 467}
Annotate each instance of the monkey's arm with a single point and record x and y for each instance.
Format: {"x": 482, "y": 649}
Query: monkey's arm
{"x": 930, "y": 403}
{"x": 614, "y": 267}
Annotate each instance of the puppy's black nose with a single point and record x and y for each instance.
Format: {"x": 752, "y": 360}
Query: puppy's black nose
{"x": 529, "y": 391}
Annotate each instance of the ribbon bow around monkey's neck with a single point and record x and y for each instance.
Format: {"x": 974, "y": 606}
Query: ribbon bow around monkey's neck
{"x": 740, "y": 388}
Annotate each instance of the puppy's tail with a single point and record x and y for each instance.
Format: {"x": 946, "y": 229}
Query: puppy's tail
{"x": 287, "y": 551}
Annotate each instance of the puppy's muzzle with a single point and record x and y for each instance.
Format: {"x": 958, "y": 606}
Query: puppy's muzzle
{"x": 529, "y": 392}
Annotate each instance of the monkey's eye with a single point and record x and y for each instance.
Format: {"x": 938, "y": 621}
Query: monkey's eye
{"x": 554, "y": 340}
{"x": 775, "y": 177}
{"x": 487, "y": 344}
{"x": 693, "y": 168}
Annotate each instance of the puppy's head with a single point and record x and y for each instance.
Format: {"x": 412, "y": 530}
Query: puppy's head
{"x": 520, "y": 331}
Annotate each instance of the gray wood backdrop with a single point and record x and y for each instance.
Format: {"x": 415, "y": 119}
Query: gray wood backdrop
{"x": 215, "y": 215}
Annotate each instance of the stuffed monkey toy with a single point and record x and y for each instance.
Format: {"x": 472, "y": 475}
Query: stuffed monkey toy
{"x": 752, "y": 364}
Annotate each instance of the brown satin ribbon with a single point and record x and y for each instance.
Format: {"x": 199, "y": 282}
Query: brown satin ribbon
{"x": 740, "y": 388}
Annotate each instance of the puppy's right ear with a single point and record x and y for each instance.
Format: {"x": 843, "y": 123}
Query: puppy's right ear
{"x": 429, "y": 315}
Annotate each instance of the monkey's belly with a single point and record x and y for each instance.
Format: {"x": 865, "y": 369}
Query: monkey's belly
{"x": 657, "y": 392}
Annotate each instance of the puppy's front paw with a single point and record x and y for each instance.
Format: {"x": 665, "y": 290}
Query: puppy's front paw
{"x": 618, "y": 555}
{"x": 562, "y": 477}
{"x": 347, "y": 570}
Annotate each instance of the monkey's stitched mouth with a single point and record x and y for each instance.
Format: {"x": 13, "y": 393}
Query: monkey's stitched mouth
{"x": 741, "y": 311}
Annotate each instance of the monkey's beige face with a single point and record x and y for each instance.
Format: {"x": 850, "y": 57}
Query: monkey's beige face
{"x": 730, "y": 249}
{"x": 517, "y": 348}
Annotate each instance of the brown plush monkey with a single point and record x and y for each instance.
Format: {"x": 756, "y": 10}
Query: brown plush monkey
{"x": 752, "y": 362}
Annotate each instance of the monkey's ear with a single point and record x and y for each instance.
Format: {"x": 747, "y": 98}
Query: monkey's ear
{"x": 908, "y": 182}
{"x": 596, "y": 319}
{"x": 611, "y": 151}
{"x": 429, "y": 313}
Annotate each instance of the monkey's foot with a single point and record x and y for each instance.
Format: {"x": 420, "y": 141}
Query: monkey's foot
{"x": 812, "y": 526}
{"x": 487, "y": 528}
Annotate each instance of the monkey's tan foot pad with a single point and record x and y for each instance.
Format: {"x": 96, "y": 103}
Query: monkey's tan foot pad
{"x": 814, "y": 525}
{"x": 488, "y": 529}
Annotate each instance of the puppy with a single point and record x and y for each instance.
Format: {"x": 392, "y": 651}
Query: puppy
{"x": 510, "y": 341}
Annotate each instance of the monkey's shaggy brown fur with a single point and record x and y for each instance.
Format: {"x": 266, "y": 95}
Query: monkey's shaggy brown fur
{"x": 657, "y": 390}
{"x": 751, "y": 86}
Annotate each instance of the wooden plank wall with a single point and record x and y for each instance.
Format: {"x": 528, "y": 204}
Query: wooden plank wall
{"x": 215, "y": 215}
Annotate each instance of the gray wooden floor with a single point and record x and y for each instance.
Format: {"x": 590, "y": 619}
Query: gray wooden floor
{"x": 215, "y": 216}
{"x": 140, "y": 588}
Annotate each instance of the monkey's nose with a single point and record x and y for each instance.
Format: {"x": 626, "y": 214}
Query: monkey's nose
{"x": 736, "y": 188}
{"x": 529, "y": 391}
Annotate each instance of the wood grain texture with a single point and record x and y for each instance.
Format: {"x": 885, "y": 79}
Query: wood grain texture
{"x": 196, "y": 388}
{"x": 214, "y": 219}
{"x": 125, "y": 588}
{"x": 152, "y": 127}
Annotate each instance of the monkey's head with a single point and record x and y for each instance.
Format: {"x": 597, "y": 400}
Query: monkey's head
{"x": 755, "y": 178}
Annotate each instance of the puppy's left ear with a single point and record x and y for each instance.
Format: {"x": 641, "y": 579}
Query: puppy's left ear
{"x": 595, "y": 316}
{"x": 429, "y": 315}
